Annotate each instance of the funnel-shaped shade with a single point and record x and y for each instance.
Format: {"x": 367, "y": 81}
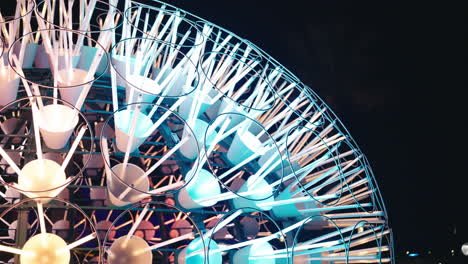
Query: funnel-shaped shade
{"x": 292, "y": 209}
{"x": 66, "y": 59}
{"x": 115, "y": 186}
{"x": 67, "y": 78}
{"x": 56, "y": 124}
{"x": 202, "y": 185}
{"x": 263, "y": 193}
{"x": 143, "y": 86}
{"x": 197, "y": 245}
{"x": 119, "y": 63}
{"x": 189, "y": 103}
{"x": 243, "y": 146}
{"x": 123, "y": 120}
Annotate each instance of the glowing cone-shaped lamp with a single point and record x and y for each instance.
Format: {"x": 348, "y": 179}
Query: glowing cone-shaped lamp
{"x": 47, "y": 247}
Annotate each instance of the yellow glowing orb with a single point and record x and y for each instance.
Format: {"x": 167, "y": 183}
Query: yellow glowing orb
{"x": 45, "y": 249}
{"x": 130, "y": 252}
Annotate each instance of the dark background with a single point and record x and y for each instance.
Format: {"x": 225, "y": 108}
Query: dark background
{"x": 394, "y": 74}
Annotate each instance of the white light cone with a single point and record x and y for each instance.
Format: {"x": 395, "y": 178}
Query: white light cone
{"x": 275, "y": 155}
{"x": 189, "y": 149}
{"x": 119, "y": 63}
{"x": 147, "y": 88}
{"x": 124, "y": 253}
{"x": 243, "y": 146}
{"x": 197, "y": 245}
{"x": 187, "y": 104}
{"x": 36, "y": 182}
{"x": 123, "y": 120}
{"x": 9, "y": 82}
{"x": 202, "y": 185}
{"x": 115, "y": 186}
{"x": 41, "y": 60}
{"x": 66, "y": 78}
{"x": 249, "y": 254}
{"x": 293, "y": 209}
{"x": 44, "y": 249}
{"x": 56, "y": 124}
{"x": 263, "y": 194}
{"x": 29, "y": 53}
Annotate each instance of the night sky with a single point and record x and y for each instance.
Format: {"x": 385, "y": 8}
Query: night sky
{"x": 394, "y": 75}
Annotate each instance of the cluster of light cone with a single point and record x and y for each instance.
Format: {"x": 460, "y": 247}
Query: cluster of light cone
{"x": 135, "y": 132}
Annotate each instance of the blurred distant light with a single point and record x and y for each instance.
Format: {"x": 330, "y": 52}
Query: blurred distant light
{"x": 407, "y": 252}
{"x": 464, "y": 249}
{"x": 413, "y": 254}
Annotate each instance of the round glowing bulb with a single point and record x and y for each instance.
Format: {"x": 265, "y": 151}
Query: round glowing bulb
{"x": 122, "y": 252}
{"x": 42, "y": 179}
{"x": 45, "y": 248}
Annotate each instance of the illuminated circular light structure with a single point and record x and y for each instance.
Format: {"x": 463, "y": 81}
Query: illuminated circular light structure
{"x": 252, "y": 166}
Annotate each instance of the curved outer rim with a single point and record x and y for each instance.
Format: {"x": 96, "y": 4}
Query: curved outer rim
{"x": 311, "y": 94}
